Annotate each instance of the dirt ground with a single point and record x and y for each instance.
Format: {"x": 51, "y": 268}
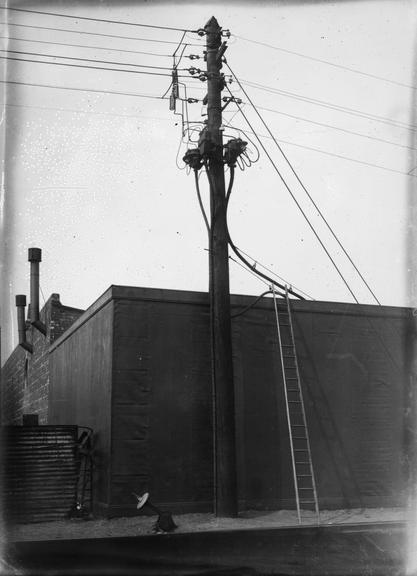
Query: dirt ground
{"x": 143, "y": 525}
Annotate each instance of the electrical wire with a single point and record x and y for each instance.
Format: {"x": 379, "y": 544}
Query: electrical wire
{"x": 331, "y": 106}
{"x": 249, "y": 271}
{"x": 113, "y": 92}
{"x": 273, "y": 273}
{"x": 336, "y": 128}
{"x": 95, "y": 19}
{"x": 157, "y": 41}
{"x": 299, "y": 207}
{"x": 200, "y": 201}
{"x": 235, "y": 249}
{"x": 250, "y": 306}
{"x": 308, "y": 194}
{"x": 84, "y": 46}
{"x": 83, "y": 66}
{"x": 88, "y": 112}
{"x": 88, "y": 60}
{"x": 341, "y": 66}
{"x": 178, "y": 47}
{"x": 334, "y": 155}
{"x": 249, "y": 268}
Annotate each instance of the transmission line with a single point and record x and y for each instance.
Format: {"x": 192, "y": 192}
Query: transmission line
{"x": 305, "y": 190}
{"x": 360, "y": 134}
{"x": 84, "y": 46}
{"x": 93, "y": 33}
{"x": 329, "y": 105}
{"x": 88, "y": 112}
{"x": 274, "y": 273}
{"x": 87, "y": 59}
{"x": 83, "y": 66}
{"x": 95, "y": 19}
{"x": 349, "y": 69}
{"x": 95, "y": 91}
{"x": 333, "y": 154}
{"x": 296, "y": 202}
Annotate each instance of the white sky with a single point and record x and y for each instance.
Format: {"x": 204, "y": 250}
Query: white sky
{"x": 91, "y": 178}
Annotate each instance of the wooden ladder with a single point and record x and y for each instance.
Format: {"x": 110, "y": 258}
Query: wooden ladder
{"x": 304, "y": 480}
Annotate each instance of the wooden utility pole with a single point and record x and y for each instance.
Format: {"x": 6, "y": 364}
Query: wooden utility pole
{"x": 222, "y": 366}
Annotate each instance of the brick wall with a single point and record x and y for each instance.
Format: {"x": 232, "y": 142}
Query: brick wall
{"x": 25, "y": 376}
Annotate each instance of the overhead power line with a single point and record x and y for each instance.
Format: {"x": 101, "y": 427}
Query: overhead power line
{"x": 94, "y": 33}
{"x": 84, "y": 66}
{"x": 296, "y": 202}
{"x": 95, "y": 19}
{"x": 341, "y": 66}
{"x": 113, "y": 92}
{"x": 274, "y": 273}
{"x": 85, "y": 46}
{"x": 332, "y": 154}
{"x": 85, "y": 112}
{"x": 346, "y": 110}
{"x": 345, "y": 130}
{"x": 307, "y": 192}
{"x": 85, "y": 59}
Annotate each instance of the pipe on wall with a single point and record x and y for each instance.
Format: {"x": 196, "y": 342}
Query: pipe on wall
{"x": 21, "y": 322}
{"x": 34, "y": 257}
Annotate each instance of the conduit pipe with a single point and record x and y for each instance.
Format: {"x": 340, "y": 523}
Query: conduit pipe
{"x": 21, "y": 322}
{"x": 34, "y": 257}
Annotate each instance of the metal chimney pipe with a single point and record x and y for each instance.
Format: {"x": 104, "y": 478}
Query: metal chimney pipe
{"x": 34, "y": 257}
{"x": 21, "y": 322}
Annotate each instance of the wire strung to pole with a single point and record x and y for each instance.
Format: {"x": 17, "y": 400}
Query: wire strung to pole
{"x": 341, "y": 66}
{"x": 286, "y": 282}
{"x": 73, "y": 89}
{"x": 324, "y": 219}
{"x": 200, "y": 201}
{"x": 78, "y": 59}
{"x": 246, "y": 269}
{"x": 83, "y": 66}
{"x": 157, "y": 41}
{"x": 89, "y": 19}
{"x": 331, "y": 106}
{"x": 107, "y": 48}
{"x": 236, "y": 250}
{"x": 250, "y": 306}
{"x": 298, "y": 204}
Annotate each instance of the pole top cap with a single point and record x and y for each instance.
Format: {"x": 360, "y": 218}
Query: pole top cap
{"x": 35, "y": 255}
{"x": 212, "y": 23}
{"x": 20, "y": 300}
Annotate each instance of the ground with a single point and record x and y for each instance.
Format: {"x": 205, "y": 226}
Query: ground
{"x": 143, "y": 525}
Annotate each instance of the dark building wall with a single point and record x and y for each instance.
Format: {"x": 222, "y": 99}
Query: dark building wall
{"x": 157, "y": 433}
{"x": 353, "y": 378}
{"x": 25, "y": 376}
{"x": 161, "y": 416}
{"x": 80, "y": 394}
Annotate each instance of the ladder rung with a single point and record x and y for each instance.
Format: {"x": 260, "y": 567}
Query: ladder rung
{"x": 307, "y": 501}
{"x": 298, "y": 425}
{"x": 303, "y": 463}
{"x": 303, "y": 475}
{"x": 300, "y": 450}
{"x": 300, "y": 437}
{"x": 294, "y": 401}
{"x": 305, "y": 488}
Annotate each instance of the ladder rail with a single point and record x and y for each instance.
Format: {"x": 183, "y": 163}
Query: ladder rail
{"x": 287, "y": 408}
{"x": 313, "y": 479}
